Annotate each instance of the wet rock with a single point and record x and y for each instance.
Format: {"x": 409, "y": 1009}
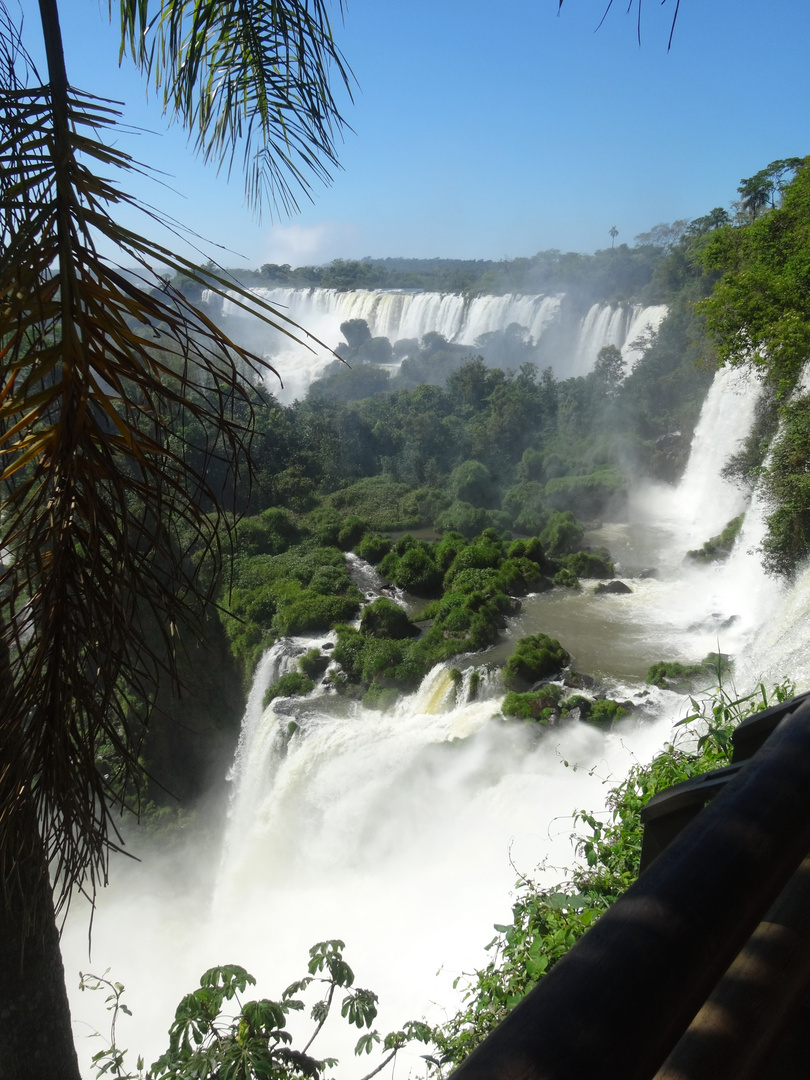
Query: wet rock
{"x": 575, "y": 680}
{"x": 614, "y": 587}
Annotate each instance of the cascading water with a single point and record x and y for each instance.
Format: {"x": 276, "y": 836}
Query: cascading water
{"x": 572, "y": 343}
{"x": 394, "y": 830}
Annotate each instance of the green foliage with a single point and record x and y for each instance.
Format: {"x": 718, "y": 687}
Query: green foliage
{"x": 718, "y": 547}
{"x": 385, "y": 619}
{"x": 464, "y": 518}
{"x": 760, "y": 309}
{"x": 414, "y": 569}
{"x": 210, "y": 1041}
{"x": 313, "y": 663}
{"x": 386, "y": 504}
{"x": 313, "y": 612}
{"x": 535, "y": 657}
{"x": 604, "y": 712}
{"x": 587, "y": 496}
{"x": 307, "y": 588}
{"x": 673, "y": 675}
{"x": 588, "y": 564}
{"x": 526, "y": 504}
{"x": 293, "y": 684}
{"x": 471, "y": 482}
{"x": 541, "y": 705}
{"x": 787, "y": 490}
{"x": 610, "y": 368}
{"x": 562, "y": 535}
{"x": 373, "y": 548}
{"x": 566, "y": 579}
{"x": 334, "y": 529}
{"x": 547, "y": 922}
{"x": 269, "y": 533}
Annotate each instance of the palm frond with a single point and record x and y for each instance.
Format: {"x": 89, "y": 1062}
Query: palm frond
{"x": 102, "y": 492}
{"x": 253, "y": 74}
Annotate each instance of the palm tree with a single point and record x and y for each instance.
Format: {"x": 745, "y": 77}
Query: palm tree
{"x": 614, "y": 232}
{"x": 99, "y": 495}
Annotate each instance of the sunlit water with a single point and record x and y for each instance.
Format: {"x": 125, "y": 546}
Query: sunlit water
{"x": 570, "y": 342}
{"x": 403, "y": 832}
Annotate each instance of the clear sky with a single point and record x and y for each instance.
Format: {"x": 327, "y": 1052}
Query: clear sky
{"x": 492, "y": 130}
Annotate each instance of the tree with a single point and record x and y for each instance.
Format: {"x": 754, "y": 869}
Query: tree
{"x": 610, "y": 368}
{"x": 103, "y": 372}
{"x": 765, "y": 188}
{"x": 614, "y": 232}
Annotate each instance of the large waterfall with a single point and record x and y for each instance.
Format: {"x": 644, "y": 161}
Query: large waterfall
{"x": 569, "y": 340}
{"x": 401, "y": 831}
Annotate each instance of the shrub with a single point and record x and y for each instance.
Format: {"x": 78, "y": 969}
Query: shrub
{"x": 414, "y": 570}
{"x": 672, "y": 675}
{"x": 536, "y": 657}
{"x": 718, "y": 547}
{"x": 520, "y": 576}
{"x": 563, "y": 534}
{"x": 471, "y": 482}
{"x": 587, "y": 564}
{"x": 313, "y": 612}
{"x": 385, "y": 619}
{"x": 539, "y": 705}
{"x": 463, "y": 517}
{"x": 373, "y": 548}
{"x": 589, "y": 495}
{"x": 605, "y": 711}
{"x": 566, "y": 579}
{"x": 294, "y": 683}
{"x": 313, "y": 663}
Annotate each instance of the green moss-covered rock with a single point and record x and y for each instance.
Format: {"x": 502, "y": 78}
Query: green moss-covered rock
{"x": 539, "y": 705}
{"x": 536, "y": 657}
{"x": 588, "y": 564}
{"x": 718, "y": 547}
{"x": 604, "y": 712}
{"x": 314, "y": 663}
{"x": 673, "y": 675}
{"x": 294, "y": 683}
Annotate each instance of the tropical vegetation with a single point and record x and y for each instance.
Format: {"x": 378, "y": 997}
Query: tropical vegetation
{"x": 103, "y": 505}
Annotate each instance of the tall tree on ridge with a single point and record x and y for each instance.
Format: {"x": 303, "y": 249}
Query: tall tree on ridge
{"x": 96, "y": 486}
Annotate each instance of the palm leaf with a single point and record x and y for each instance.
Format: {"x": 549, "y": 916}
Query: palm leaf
{"x": 247, "y": 73}
{"x": 101, "y": 494}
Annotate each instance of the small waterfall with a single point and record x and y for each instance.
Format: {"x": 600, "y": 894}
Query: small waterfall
{"x": 704, "y": 502}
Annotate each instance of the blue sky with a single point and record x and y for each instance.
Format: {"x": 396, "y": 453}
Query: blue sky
{"x": 485, "y": 130}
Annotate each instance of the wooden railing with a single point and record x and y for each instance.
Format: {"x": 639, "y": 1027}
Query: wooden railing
{"x": 695, "y": 971}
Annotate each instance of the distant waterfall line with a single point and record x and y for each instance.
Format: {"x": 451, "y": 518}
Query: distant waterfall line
{"x": 568, "y": 339}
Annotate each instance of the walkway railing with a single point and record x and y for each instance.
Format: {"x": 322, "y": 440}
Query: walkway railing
{"x": 700, "y": 953}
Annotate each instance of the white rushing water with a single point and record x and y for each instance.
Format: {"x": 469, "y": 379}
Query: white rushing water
{"x": 572, "y": 341}
{"x": 394, "y": 830}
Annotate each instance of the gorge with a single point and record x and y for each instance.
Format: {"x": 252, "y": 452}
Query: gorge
{"x": 401, "y": 831}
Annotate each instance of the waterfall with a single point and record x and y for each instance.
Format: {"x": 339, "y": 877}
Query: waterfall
{"x": 571, "y": 344}
{"x": 396, "y": 831}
